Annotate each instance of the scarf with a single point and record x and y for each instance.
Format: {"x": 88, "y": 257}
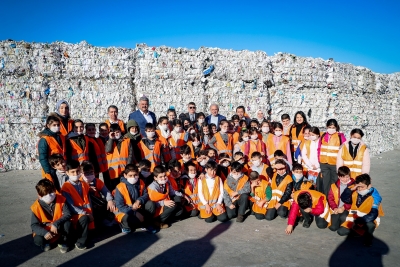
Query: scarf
{"x": 132, "y": 136}
{"x": 58, "y": 105}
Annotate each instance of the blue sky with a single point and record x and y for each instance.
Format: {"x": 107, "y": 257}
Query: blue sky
{"x": 364, "y": 33}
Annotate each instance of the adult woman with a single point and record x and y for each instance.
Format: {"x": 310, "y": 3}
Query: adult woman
{"x": 260, "y": 116}
{"x": 297, "y": 129}
{"x": 62, "y": 112}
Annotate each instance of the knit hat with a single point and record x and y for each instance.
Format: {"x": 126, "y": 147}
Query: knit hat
{"x": 131, "y": 123}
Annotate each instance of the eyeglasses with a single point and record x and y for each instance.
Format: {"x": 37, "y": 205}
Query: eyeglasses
{"x": 192, "y": 107}
{"x": 281, "y": 169}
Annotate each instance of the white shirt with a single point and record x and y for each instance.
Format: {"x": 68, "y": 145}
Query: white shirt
{"x": 214, "y": 120}
{"x": 210, "y": 184}
{"x": 147, "y": 116}
{"x": 313, "y": 159}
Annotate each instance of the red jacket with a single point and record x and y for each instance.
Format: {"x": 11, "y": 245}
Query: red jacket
{"x": 331, "y": 197}
{"x": 294, "y": 210}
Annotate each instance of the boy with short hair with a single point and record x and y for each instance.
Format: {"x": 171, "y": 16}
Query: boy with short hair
{"x": 186, "y": 156}
{"x": 236, "y": 193}
{"x": 239, "y": 157}
{"x": 189, "y": 186}
{"x": 151, "y": 147}
{"x": 50, "y": 220}
{"x": 261, "y": 193}
{"x": 144, "y": 172}
{"x": 132, "y": 201}
{"x": 59, "y": 177}
{"x": 258, "y": 166}
{"x": 285, "y": 119}
{"x": 299, "y": 181}
{"x": 77, "y": 195}
{"x": 211, "y": 192}
{"x": 366, "y": 209}
{"x": 278, "y": 154}
{"x": 104, "y": 132}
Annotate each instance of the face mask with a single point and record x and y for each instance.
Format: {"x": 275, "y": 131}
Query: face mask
{"x": 117, "y": 136}
{"x": 196, "y": 143}
{"x": 236, "y": 176}
{"x": 331, "y": 131}
{"x": 203, "y": 162}
{"x": 186, "y": 127}
{"x": 145, "y": 174}
{"x": 256, "y": 163}
{"x": 178, "y": 129}
{"x": 191, "y": 175}
{"x": 55, "y": 129}
{"x": 79, "y": 133}
{"x": 355, "y": 141}
{"x": 278, "y": 133}
{"x": 306, "y": 138}
{"x": 345, "y": 182}
{"x": 297, "y": 176}
{"x": 132, "y": 180}
{"x": 150, "y": 134}
{"x": 225, "y": 163}
{"x": 192, "y": 131}
{"x": 245, "y": 139}
{"x": 241, "y": 161}
{"x": 254, "y": 137}
{"x": 48, "y": 198}
{"x": 89, "y": 178}
{"x": 363, "y": 192}
{"x": 223, "y": 131}
{"x": 205, "y": 133}
{"x": 265, "y": 129}
{"x": 133, "y": 133}
{"x": 313, "y": 137}
{"x": 74, "y": 178}
{"x": 201, "y": 121}
{"x": 162, "y": 182}
{"x": 163, "y": 127}
{"x": 236, "y": 124}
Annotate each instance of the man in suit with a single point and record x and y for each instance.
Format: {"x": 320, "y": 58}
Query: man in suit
{"x": 143, "y": 115}
{"x": 214, "y": 117}
{"x": 191, "y": 114}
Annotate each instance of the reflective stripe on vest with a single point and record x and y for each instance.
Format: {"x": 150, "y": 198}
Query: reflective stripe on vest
{"x": 355, "y": 165}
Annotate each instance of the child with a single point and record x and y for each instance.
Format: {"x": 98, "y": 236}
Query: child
{"x": 297, "y": 152}
{"x": 206, "y": 134}
{"x": 285, "y": 119}
{"x": 254, "y": 124}
{"x": 310, "y": 203}
{"x": 187, "y": 155}
{"x": 132, "y": 201}
{"x": 299, "y": 181}
{"x": 224, "y": 169}
{"x": 134, "y": 136}
{"x": 104, "y": 132}
{"x": 282, "y": 187}
{"x": 163, "y": 135}
{"x": 189, "y": 186}
{"x": 59, "y": 177}
{"x": 222, "y": 141}
{"x": 144, "y": 172}
{"x": 195, "y": 144}
{"x": 261, "y": 168}
{"x": 244, "y": 138}
{"x": 211, "y": 192}
{"x": 265, "y": 131}
{"x": 97, "y": 193}
{"x": 171, "y": 114}
{"x": 150, "y": 147}
{"x": 177, "y": 139}
{"x": 254, "y": 144}
{"x": 309, "y": 155}
{"x": 235, "y": 119}
{"x": 261, "y": 193}
{"x": 113, "y": 118}
{"x": 200, "y": 121}
{"x": 278, "y": 142}
{"x": 366, "y": 209}
{"x": 50, "y": 220}
{"x": 339, "y": 210}
{"x": 202, "y": 160}
{"x": 77, "y": 195}
{"x": 174, "y": 175}
{"x": 236, "y": 193}
{"x": 278, "y": 154}
{"x": 232, "y": 130}
{"x": 212, "y": 154}
{"x": 90, "y": 129}
{"x": 239, "y": 157}
{"x": 161, "y": 193}
{"x": 214, "y": 128}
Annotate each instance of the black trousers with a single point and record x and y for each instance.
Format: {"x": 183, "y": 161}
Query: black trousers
{"x": 329, "y": 176}
{"x": 107, "y": 180}
{"x": 176, "y": 210}
{"x": 272, "y": 213}
{"x": 222, "y": 218}
{"x": 308, "y": 218}
{"x": 82, "y": 229}
{"x": 369, "y": 229}
{"x": 131, "y": 221}
{"x": 241, "y": 206}
{"x": 64, "y": 232}
{"x": 337, "y": 220}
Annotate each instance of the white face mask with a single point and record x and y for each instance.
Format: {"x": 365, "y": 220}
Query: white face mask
{"x": 313, "y": 137}
{"x": 241, "y": 161}
{"x": 297, "y": 176}
{"x": 192, "y": 175}
{"x": 225, "y": 163}
{"x": 48, "y": 198}
{"x": 150, "y": 134}
{"x": 200, "y": 121}
{"x": 196, "y": 143}
{"x": 245, "y": 139}
{"x": 192, "y": 131}
{"x": 163, "y": 127}
{"x": 355, "y": 141}
{"x": 132, "y": 180}
{"x": 145, "y": 174}
{"x": 203, "y": 162}
{"x": 278, "y": 133}
{"x": 306, "y": 137}
{"x": 89, "y": 178}
{"x": 133, "y": 133}
{"x": 236, "y": 176}
{"x": 73, "y": 178}
{"x": 265, "y": 129}
{"x": 55, "y": 129}
{"x": 178, "y": 129}
{"x": 162, "y": 182}
{"x": 256, "y": 163}
{"x": 331, "y": 131}
{"x": 223, "y": 131}
{"x": 117, "y": 136}
{"x": 363, "y": 192}
{"x": 254, "y": 137}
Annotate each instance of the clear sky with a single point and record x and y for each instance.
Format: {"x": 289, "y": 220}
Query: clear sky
{"x": 364, "y": 33}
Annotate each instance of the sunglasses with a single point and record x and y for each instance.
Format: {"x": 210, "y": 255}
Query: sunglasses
{"x": 281, "y": 169}
{"x": 192, "y": 107}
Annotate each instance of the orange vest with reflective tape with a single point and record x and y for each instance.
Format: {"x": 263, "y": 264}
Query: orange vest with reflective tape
{"x": 221, "y": 146}
{"x": 259, "y": 194}
{"x": 165, "y": 143}
{"x": 249, "y": 147}
{"x": 277, "y": 191}
{"x": 122, "y": 188}
{"x": 54, "y": 148}
{"x": 330, "y": 149}
{"x": 190, "y": 144}
{"x": 191, "y": 192}
{"x": 70, "y": 126}
{"x": 296, "y": 140}
{"x": 120, "y": 123}
{"x": 118, "y": 159}
{"x": 101, "y": 155}
{"x": 243, "y": 180}
{"x": 211, "y": 199}
{"x": 154, "y": 156}
{"x": 77, "y": 153}
{"x": 176, "y": 145}
{"x": 355, "y": 165}
{"x": 315, "y": 196}
{"x": 271, "y": 147}
{"x": 157, "y": 196}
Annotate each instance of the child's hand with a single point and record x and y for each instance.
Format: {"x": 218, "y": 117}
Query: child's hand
{"x": 231, "y": 206}
{"x": 111, "y": 206}
{"x": 48, "y": 236}
{"x": 261, "y": 203}
{"x": 169, "y": 203}
{"x": 289, "y": 229}
{"x": 201, "y": 176}
{"x": 220, "y": 208}
{"x": 308, "y": 210}
{"x": 277, "y": 205}
{"x": 233, "y": 194}
{"x": 335, "y": 211}
{"x": 53, "y": 229}
{"x": 208, "y": 209}
{"x": 111, "y": 135}
{"x": 340, "y": 210}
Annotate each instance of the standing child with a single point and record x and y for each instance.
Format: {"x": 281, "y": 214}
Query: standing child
{"x": 261, "y": 193}
{"x": 206, "y": 134}
{"x": 150, "y": 147}
{"x": 104, "y": 132}
{"x": 278, "y": 142}
{"x": 59, "y": 177}
{"x": 222, "y": 141}
{"x": 171, "y": 114}
{"x": 285, "y": 119}
{"x": 265, "y": 131}
{"x": 244, "y": 138}
{"x": 163, "y": 135}
{"x": 90, "y": 130}
{"x": 309, "y": 155}
{"x": 195, "y": 144}
{"x": 177, "y": 139}
{"x": 254, "y": 144}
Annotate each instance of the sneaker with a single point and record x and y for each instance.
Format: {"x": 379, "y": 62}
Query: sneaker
{"x": 125, "y": 231}
{"x": 240, "y": 219}
{"x": 63, "y": 248}
{"x": 46, "y": 247}
{"x": 306, "y": 224}
{"x": 151, "y": 230}
{"x": 80, "y": 246}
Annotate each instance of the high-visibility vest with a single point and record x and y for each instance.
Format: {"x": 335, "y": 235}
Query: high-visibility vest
{"x": 243, "y": 180}
{"x": 123, "y": 189}
{"x": 296, "y": 139}
{"x": 191, "y": 192}
{"x": 44, "y": 217}
{"x": 165, "y": 143}
{"x": 307, "y": 144}
{"x": 102, "y": 158}
{"x": 235, "y": 137}
{"x": 259, "y": 194}
{"x": 335, "y": 192}
{"x": 157, "y": 196}
{"x": 70, "y": 127}
{"x": 277, "y": 191}
{"x": 282, "y": 145}
{"x": 355, "y": 165}
{"x": 361, "y": 211}
{"x": 263, "y": 175}
{"x": 250, "y": 146}
{"x": 120, "y": 123}
{"x": 78, "y": 201}
{"x": 329, "y": 150}
{"x": 54, "y": 148}
{"x": 211, "y": 199}
{"x": 173, "y": 182}
{"x": 190, "y": 144}
{"x": 117, "y": 160}
{"x": 315, "y": 196}
{"x": 154, "y": 156}
{"x": 176, "y": 146}
{"x": 77, "y": 153}
{"x": 198, "y": 167}
{"x": 220, "y": 144}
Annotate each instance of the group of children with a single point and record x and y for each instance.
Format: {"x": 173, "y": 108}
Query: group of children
{"x": 179, "y": 170}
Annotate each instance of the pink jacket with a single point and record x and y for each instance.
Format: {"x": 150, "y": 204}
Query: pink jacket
{"x": 366, "y": 164}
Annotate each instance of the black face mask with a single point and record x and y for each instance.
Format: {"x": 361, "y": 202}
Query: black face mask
{"x": 186, "y": 127}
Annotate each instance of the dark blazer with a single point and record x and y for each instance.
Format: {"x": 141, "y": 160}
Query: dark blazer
{"x": 220, "y": 117}
{"x": 141, "y": 121}
{"x": 186, "y": 115}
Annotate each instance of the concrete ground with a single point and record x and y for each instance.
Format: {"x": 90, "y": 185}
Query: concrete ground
{"x": 192, "y": 242}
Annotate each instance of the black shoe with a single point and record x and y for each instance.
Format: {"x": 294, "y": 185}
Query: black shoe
{"x": 301, "y": 219}
{"x": 306, "y": 224}
{"x": 80, "y": 246}
{"x": 240, "y": 219}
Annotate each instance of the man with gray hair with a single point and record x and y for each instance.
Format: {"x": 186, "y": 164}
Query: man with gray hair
{"x": 143, "y": 115}
{"x": 214, "y": 117}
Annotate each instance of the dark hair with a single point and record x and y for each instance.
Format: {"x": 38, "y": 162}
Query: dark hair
{"x": 188, "y": 164}
{"x": 241, "y": 107}
{"x": 235, "y": 117}
{"x": 200, "y": 114}
{"x": 212, "y": 149}
{"x": 254, "y": 121}
{"x": 315, "y": 130}
{"x": 285, "y": 117}
{"x": 45, "y": 187}
{"x": 112, "y": 106}
{"x": 90, "y": 125}
{"x": 72, "y": 164}
{"x": 253, "y": 176}
{"x": 161, "y": 119}
{"x": 357, "y": 131}
{"x": 280, "y": 161}
{"x": 177, "y": 122}
{"x": 256, "y": 154}
{"x": 211, "y": 165}
{"x": 334, "y": 123}
{"x": 114, "y": 127}
{"x": 277, "y": 125}
{"x": 364, "y": 179}
{"x": 304, "y": 200}
{"x": 343, "y": 171}
{"x": 195, "y": 135}
{"x": 131, "y": 168}
{"x": 103, "y": 124}
{"x": 239, "y": 153}
{"x": 213, "y": 125}
{"x": 51, "y": 119}
{"x": 192, "y": 103}
{"x": 279, "y": 153}
{"x": 158, "y": 169}
{"x": 236, "y": 166}
{"x": 242, "y": 132}
{"x": 185, "y": 150}
{"x": 55, "y": 159}
{"x": 223, "y": 156}
{"x": 241, "y": 123}
{"x": 86, "y": 166}
{"x": 185, "y": 119}
{"x": 253, "y": 130}
{"x": 301, "y": 113}
{"x": 222, "y": 122}
{"x": 308, "y": 127}
{"x": 202, "y": 132}
{"x": 171, "y": 110}
{"x": 174, "y": 164}
{"x": 149, "y": 126}
{"x": 77, "y": 121}
{"x": 144, "y": 163}
{"x": 297, "y": 166}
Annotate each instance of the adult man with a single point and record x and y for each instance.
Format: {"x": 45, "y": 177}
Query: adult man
{"x": 113, "y": 118}
{"x": 143, "y": 115}
{"x": 214, "y": 117}
{"x": 191, "y": 114}
{"x": 240, "y": 111}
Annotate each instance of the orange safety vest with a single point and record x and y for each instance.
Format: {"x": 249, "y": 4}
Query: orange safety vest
{"x": 120, "y": 123}
{"x": 296, "y": 140}
{"x": 173, "y": 182}
{"x": 176, "y": 145}
{"x": 191, "y": 192}
{"x": 102, "y": 153}
{"x": 43, "y": 217}
{"x": 190, "y": 144}
{"x": 249, "y": 147}
{"x": 335, "y": 191}
{"x": 165, "y": 143}
{"x": 361, "y": 211}
{"x": 263, "y": 174}
{"x": 198, "y": 167}
{"x": 154, "y": 156}
{"x": 355, "y": 165}
{"x": 286, "y": 130}
{"x": 210, "y": 198}
{"x": 282, "y": 145}
{"x": 243, "y": 180}
{"x": 54, "y": 148}
{"x": 118, "y": 159}
{"x": 122, "y": 188}
{"x": 277, "y": 191}
{"x": 157, "y": 196}
{"x": 220, "y": 144}
{"x": 78, "y": 201}
{"x": 235, "y": 137}
{"x": 330, "y": 149}
{"x": 306, "y": 143}
{"x": 315, "y": 196}
{"x": 70, "y": 126}
{"x": 259, "y": 194}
